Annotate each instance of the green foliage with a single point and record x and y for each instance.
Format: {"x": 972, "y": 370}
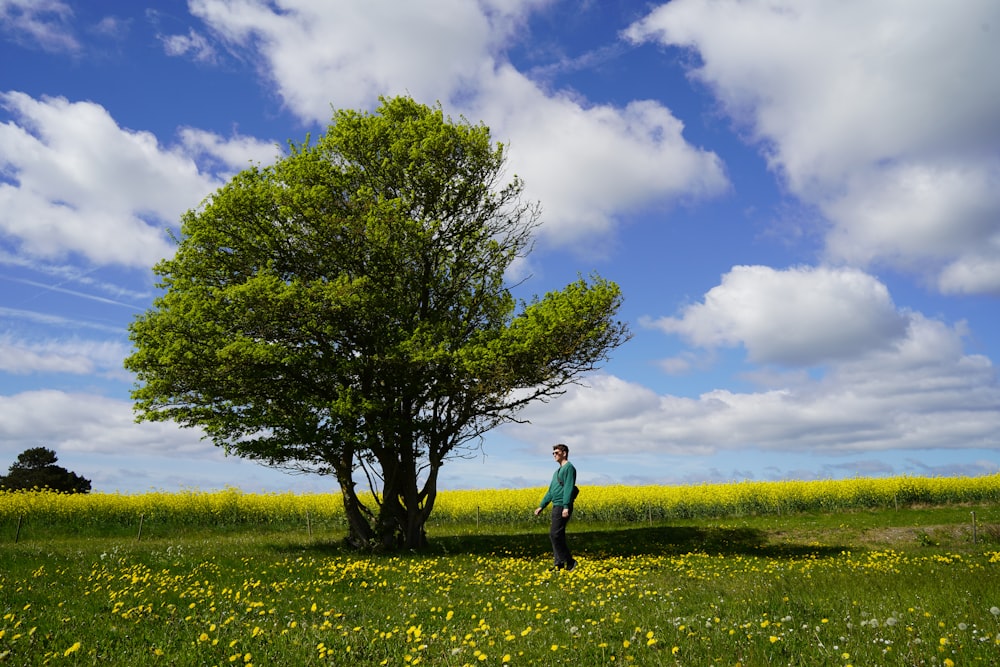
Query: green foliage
{"x": 36, "y": 468}
{"x": 347, "y": 307}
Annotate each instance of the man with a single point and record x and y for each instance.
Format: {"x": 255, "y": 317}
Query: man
{"x": 561, "y": 494}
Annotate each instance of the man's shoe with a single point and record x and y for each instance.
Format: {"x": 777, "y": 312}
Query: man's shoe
{"x": 570, "y": 566}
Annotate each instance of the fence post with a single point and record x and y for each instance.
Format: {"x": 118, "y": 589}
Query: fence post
{"x": 973, "y": 527}
{"x": 139, "y": 534}
{"x": 17, "y": 533}
{"x": 309, "y": 527}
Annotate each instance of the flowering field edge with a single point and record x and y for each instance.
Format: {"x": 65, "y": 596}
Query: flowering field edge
{"x": 616, "y": 504}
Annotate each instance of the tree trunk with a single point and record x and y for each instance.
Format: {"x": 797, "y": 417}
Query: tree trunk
{"x": 401, "y": 519}
{"x": 359, "y": 530}
{"x": 404, "y": 507}
{"x": 416, "y": 534}
{"x": 401, "y": 527}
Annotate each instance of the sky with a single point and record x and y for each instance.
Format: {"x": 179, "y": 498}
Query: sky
{"x": 800, "y": 200}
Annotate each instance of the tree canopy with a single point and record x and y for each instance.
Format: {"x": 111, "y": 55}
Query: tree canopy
{"x": 346, "y": 311}
{"x": 36, "y": 468}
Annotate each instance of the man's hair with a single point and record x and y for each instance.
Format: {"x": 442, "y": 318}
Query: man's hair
{"x": 562, "y": 448}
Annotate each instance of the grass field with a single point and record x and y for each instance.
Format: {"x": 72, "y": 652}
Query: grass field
{"x": 880, "y": 583}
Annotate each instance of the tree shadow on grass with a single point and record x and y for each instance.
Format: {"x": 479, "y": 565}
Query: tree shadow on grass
{"x": 639, "y": 541}
{"x": 622, "y": 543}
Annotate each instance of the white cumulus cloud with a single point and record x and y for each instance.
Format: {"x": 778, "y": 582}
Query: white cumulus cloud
{"x": 882, "y": 115}
{"x": 800, "y": 317}
{"x": 584, "y": 163}
{"x": 79, "y": 184}
{"x": 85, "y": 422}
{"x": 921, "y": 393}
{"x": 75, "y": 356}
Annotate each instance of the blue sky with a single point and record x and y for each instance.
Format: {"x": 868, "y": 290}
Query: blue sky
{"x": 800, "y": 200}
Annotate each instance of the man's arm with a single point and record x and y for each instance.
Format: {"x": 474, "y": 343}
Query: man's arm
{"x": 546, "y": 499}
{"x": 568, "y": 479}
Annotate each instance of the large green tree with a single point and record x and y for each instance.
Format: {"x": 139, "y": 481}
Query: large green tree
{"x": 346, "y": 311}
{"x": 36, "y": 468}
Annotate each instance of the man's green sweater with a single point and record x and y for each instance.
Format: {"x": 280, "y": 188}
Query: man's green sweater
{"x": 561, "y": 487}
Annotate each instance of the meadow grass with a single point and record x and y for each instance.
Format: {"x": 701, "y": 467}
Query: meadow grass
{"x": 865, "y": 586}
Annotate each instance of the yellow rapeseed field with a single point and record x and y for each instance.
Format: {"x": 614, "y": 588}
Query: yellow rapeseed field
{"x": 232, "y": 507}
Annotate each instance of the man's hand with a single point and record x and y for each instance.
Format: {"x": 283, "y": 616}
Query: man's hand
{"x": 538, "y": 510}
{"x": 566, "y": 513}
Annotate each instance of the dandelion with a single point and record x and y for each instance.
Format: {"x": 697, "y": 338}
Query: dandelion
{"x": 72, "y": 649}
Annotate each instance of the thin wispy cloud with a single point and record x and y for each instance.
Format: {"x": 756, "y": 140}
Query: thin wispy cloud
{"x": 76, "y": 293}
{"x": 56, "y": 320}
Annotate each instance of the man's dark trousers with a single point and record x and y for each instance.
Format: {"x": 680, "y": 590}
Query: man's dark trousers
{"x": 557, "y": 533}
